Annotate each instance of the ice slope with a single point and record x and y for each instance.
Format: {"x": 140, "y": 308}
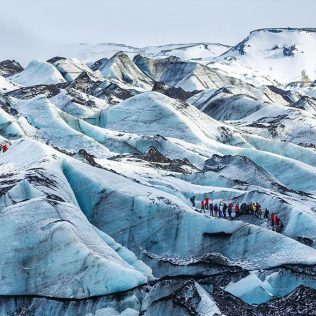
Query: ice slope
{"x": 264, "y": 94}
{"x": 225, "y": 183}
{"x": 50, "y": 125}
{"x": 186, "y": 123}
{"x": 9, "y": 126}
{"x": 72, "y": 68}
{"x": 202, "y": 52}
{"x": 258, "y": 287}
{"x": 131, "y": 143}
{"x": 7, "y": 85}
{"x": 152, "y": 113}
{"x": 235, "y": 68}
{"x": 223, "y": 105}
{"x": 168, "y": 229}
{"x": 281, "y": 123}
{"x": 189, "y": 76}
{"x": 233, "y": 103}
{"x": 38, "y": 72}
{"x": 269, "y": 112}
{"x": 77, "y": 103}
{"x": 279, "y": 53}
{"x": 80, "y": 265}
{"x": 122, "y": 68}
{"x": 54, "y": 251}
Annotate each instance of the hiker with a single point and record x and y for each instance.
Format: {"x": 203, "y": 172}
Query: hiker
{"x": 206, "y": 203}
{"x": 211, "y": 209}
{"x": 216, "y": 210}
{"x": 260, "y": 212}
{"x": 202, "y": 205}
{"x": 257, "y": 208}
{"x": 237, "y": 210}
{"x": 253, "y": 208}
{"x": 192, "y": 199}
{"x": 276, "y": 223}
{"x": 229, "y": 212}
{"x": 4, "y": 147}
{"x": 281, "y": 226}
{"x": 221, "y": 211}
{"x": 243, "y": 208}
{"x": 230, "y": 209}
{"x": 266, "y": 214}
{"x": 272, "y": 220}
{"x": 224, "y": 209}
{"x": 247, "y": 208}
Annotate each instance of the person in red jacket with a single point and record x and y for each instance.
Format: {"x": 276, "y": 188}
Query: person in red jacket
{"x": 202, "y": 205}
{"x": 206, "y": 203}
{"x": 272, "y": 220}
{"x": 236, "y": 210}
{"x": 4, "y": 147}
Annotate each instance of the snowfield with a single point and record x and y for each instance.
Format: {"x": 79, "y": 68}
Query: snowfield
{"x": 108, "y": 144}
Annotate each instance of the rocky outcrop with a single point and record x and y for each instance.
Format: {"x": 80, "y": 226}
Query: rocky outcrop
{"x": 9, "y": 68}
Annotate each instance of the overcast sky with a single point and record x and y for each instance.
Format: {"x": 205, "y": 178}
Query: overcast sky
{"x": 36, "y": 27}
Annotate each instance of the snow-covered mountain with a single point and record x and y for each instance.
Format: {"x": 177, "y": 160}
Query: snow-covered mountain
{"x": 88, "y": 53}
{"x": 106, "y": 146}
{"x": 282, "y": 54}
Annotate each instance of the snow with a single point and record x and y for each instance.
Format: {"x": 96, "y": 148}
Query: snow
{"x": 89, "y": 53}
{"x": 159, "y": 115}
{"x": 188, "y": 75}
{"x": 40, "y": 113}
{"x": 38, "y": 72}
{"x": 66, "y": 102}
{"x": 121, "y": 67}
{"x": 71, "y": 68}
{"x": 264, "y": 51}
{"x": 7, "y": 85}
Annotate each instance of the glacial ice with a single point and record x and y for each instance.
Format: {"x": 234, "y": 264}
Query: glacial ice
{"x": 50, "y": 244}
{"x": 112, "y": 195}
{"x": 259, "y": 287}
{"x": 38, "y": 72}
{"x": 94, "y": 190}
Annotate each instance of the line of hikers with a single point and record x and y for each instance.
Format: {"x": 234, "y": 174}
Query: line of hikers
{"x": 223, "y": 210}
{"x": 3, "y": 147}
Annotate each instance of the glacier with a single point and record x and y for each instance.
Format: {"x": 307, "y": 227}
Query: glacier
{"x": 106, "y": 147}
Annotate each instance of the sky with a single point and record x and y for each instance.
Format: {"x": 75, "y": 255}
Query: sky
{"x": 39, "y": 28}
